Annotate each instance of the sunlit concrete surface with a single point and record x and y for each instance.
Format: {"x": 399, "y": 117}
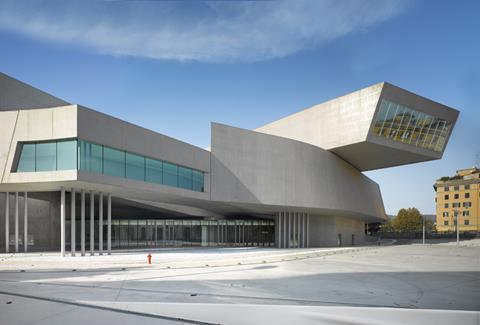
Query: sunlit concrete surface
{"x": 414, "y": 284}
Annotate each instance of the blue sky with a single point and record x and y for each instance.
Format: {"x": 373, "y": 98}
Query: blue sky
{"x": 174, "y": 67}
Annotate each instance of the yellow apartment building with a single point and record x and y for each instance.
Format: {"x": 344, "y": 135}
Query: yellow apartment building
{"x": 459, "y": 194}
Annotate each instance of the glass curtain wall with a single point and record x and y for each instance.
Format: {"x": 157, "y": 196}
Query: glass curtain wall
{"x": 191, "y": 233}
{"x": 403, "y": 124}
{"x": 82, "y": 155}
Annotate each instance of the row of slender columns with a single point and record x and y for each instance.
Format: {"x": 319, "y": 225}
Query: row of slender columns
{"x": 7, "y": 222}
{"x": 292, "y": 230}
{"x": 82, "y": 223}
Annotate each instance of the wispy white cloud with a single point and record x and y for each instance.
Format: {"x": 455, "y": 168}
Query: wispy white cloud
{"x": 218, "y": 31}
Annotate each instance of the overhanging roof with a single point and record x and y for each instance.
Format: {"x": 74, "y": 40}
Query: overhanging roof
{"x": 375, "y": 127}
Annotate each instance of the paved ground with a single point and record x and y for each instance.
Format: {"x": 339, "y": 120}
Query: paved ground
{"x": 412, "y": 284}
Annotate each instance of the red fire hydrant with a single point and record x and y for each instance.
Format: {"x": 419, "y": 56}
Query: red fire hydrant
{"x": 149, "y": 259}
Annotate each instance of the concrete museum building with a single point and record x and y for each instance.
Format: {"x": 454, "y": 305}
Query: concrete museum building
{"x": 83, "y": 182}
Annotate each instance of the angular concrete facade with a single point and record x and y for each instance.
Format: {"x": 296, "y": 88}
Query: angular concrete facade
{"x": 296, "y": 182}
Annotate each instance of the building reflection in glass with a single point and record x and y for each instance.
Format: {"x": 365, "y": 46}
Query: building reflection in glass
{"x": 403, "y": 124}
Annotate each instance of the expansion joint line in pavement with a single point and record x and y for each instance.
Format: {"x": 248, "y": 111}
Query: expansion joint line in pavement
{"x": 115, "y": 310}
{"x": 214, "y": 295}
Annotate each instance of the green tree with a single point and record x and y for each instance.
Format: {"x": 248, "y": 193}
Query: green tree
{"x": 408, "y": 220}
{"x": 386, "y": 227}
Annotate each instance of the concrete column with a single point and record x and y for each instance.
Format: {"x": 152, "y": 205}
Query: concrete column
{"x": 164, "y": 233}
{"x": 7, "y": 222}
{"x": 293, "y": 230}
{"x": 287, "y": 230}
{"x": 173, "y": 234}
{"x": 235, "y": 233}
{"x": 284, "y": 230}
{"x": 225, "y": 228}
{"x": 308, "y": 230}
{"x": 279, "y": 225}
{"x": 72, "y": 222}
{"x": 100, "y": 224}
{"x": 25, "y": 221}
{"x": 304, "y": 227}
{"x": 299, "y": 224}
{"x": 156, "y": 233}
{"x": 16, "y": 222}
{"x": 92, "y": 223}
{"x": 243, "y": 233}
{"x": 82, "y": 224}
{"x": 109, "y": 224}
{"x": 62, "y": 222}
{"x": 299, "y": 230}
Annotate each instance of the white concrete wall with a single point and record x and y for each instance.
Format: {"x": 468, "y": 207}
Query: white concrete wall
{"x": 104, "y": 129}
{"x": 34, "y": 125}
{"x": 256, "y": 168}
{"x": 324, "y": 231}
{"x": 335, "y": 123}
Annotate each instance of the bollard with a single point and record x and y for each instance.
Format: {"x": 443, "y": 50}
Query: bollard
{"x": 149, "y": 259}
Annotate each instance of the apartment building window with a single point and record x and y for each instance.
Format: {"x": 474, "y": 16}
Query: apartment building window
{"x": 467, "y": 204}
{"x": 466, "y": 222}
{"x": 446, "y": 197}
{"x": 457, "y": 204}
{"x": 467, "y": 195}
{"x": 467, "y": 187}
{"x": 446, "y": 188}
{"x": 445, "y": 214}
{"x": 456, "y": 188}
{"x": 446, "y": 205}
{"x": 456, "y": 196}
{"x": 445, "y": 223}
{"x": 466, "y": 213}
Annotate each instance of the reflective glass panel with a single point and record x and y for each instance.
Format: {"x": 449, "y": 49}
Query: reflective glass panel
{"x": 403, "y": 124}
{"x": 90, "y": 156}
{"x": 27, "y": 158}
{"x": 153, "y": 171}
{"x": 113, "y": 162}
{"x": 185, "y": 178}
{"x": 46, "y": 156}
{"x": 67, "y": 155}
{"x": 170, "y": 174}
{"x": 135, "y": 168}
{"x": 197, "y": 178}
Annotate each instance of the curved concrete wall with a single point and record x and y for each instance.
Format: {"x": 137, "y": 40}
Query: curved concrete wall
{"x": 256, "y": 168}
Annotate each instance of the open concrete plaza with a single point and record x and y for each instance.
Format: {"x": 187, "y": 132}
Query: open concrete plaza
{"x": 415, "y": 284}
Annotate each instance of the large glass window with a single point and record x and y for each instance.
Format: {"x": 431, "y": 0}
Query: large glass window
{"x": 95, "y": 158}
{"x": 27, "y": 158}
{"x": 170, "y": 174}
{"x": 153, "y": 171}
{"x": 185, "y": 178}
{"x": 90, "y": 156}
{"x": 403, "y": 124}
{"x": 67, "y": 155}
{"x": 113, "y": 162}
{"x": 135, "y": 167}
{"x": 46, "y": 156}
{"x": 197, "y": 181}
